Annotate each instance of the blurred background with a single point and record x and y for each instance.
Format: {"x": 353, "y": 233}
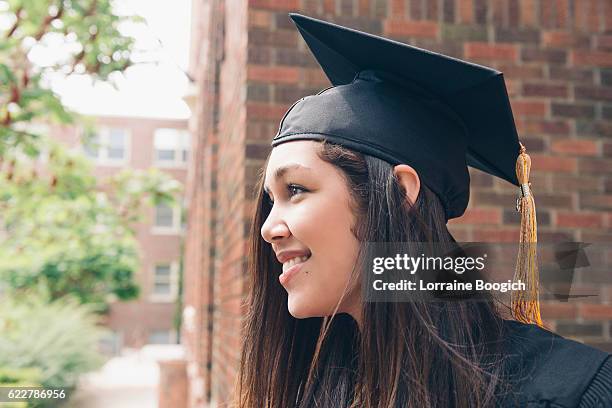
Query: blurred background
{"x": 132, "y": 134}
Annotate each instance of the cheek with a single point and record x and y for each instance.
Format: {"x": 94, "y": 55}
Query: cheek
{"x": 324, "y": 226}
{"x": 334, "y": 246}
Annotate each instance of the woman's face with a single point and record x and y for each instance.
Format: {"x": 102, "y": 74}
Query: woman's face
{"x": 309, "y": 228}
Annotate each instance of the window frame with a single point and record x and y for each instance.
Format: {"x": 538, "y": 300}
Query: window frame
{"x": 173, "y": 282}
{"x": 103, "y": 133}
{"x": 178, "y": 150}
{"x": 175, "y": 229}
{"x": 172, "y": 338}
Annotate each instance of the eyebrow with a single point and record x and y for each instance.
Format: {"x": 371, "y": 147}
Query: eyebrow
{"x": 281, "y": 171}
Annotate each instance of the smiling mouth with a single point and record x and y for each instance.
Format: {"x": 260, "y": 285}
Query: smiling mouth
{"x": 291, "y": 268}
{"x": 295, "y": 261}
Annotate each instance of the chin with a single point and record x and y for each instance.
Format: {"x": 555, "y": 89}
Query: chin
{"x": 297, "y": 311}
{"x": 301, "y": 308}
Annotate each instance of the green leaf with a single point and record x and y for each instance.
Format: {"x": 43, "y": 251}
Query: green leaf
{"x": 6, "y": 75}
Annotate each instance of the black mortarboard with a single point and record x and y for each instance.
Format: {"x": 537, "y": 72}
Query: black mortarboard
{"x": 407, "y": 105}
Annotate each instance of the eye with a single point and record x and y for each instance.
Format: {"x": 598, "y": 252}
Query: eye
{"x": 294, "y": 189}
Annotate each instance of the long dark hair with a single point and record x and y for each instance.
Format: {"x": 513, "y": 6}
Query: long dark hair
{"x": 411, "y": 354}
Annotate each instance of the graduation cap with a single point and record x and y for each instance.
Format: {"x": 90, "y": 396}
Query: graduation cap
{"x": 408, "y": 105}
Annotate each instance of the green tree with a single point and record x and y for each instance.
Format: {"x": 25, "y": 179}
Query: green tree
{"x": 61, "y": 231}
{"x": 82, "y": 36}
{"x": 64, "y": 236}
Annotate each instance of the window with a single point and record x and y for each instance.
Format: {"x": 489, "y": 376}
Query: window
{"x": 171, "y": 147}
{"x": 165, "y": 281}
{"x": 108, "y": 145}
{"x": 111, "y": 343}
{"x": 167, "y": 220}
{"x": 161, "y": 337}
{"x": 164, "y": 216}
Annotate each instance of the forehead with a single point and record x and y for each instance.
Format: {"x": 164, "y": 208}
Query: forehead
{"x": 290, "y": 156}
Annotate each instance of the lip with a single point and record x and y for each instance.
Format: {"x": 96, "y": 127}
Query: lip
{"x": 286, "y": 276}
{"x": 284, "y": 256}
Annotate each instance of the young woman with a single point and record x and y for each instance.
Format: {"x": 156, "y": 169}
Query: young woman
{"x": 381, "y": 157}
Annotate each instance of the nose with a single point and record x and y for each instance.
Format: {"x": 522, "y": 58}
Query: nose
{"x": 274, "y": 228}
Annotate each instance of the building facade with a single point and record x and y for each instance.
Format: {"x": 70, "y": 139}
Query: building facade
{"x": 118, "y": 143}
{"x": 249, "y": 64}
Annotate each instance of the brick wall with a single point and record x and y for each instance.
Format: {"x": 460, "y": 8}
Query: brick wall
{"x": 250, "y": 64}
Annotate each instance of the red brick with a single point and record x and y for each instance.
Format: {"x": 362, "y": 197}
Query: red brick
{"x": 595, "y": 166}
{"x": 432, "y": 11}
{"x": 579, "y": 220}
{"x": 596, "y": 312}
{"x": 315, "y": 77}
{"x": 547, "y": 127}
{"x": 562, "y": 13}
{"x": 513, "y": 13}
{"x": 493, "y": 198}
{"x": 553, "y": 13}
{"x": 597, "y": 58}
{"x": 550, "y": 90}
{"x": 277, "y": 38}
{"x": 398, "y": 8}
{"x": 572, "y": 74}
{"x": 542, "y": 55}
{"x": 513, "y": 87}
{"x": 561, "y": 200}
{"x": 575, "y": 147}
{"x": 500, "y": 52}
{"x": 607, "y": 15}
{"x": 286, "y": 75}
{"x": 597, "y": 93}
{"x": 549, "y": 163}
{"x": 329, "y": 6}
{"x": 521, "y": 71}
{"x": 596, "y": 201}
{"x": 607, "y": 149}
{"x": 558, "y": 310}
{"x": 533, "y": 144}
{"x": 260, "y": 111}
{"x": 560, "y": 39}
{"x": 260, "y": 18}
{"x": 479, "y": 216}
{"x": 496, "y": 13}
{"x": 284, "y": 5}
{"x": 573, "y": 110}
{"x": 603, "y": 42}
{"x": 496, "y": 235}
{"x": 427, "y": 29}
{"x": 364, "y": 7}
{"x": 528, "y": 12}
{"x": 546, "y": 14}
{"x": 346, "y": 7}
{"x": 529, "y": 108}
{"x": 466, "y": 11}
{"x": 461, "y": 233}
{"x": 608, "y": 220}
{"x": 586, "y": 15}
{"x": 480, "y": 11}
{"x": 596, "y": 237}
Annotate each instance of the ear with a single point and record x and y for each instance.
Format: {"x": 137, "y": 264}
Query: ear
{"x": 409, "y": 179}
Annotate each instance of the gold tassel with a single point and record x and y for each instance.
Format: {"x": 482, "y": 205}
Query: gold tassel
{"x": 526, "y": 304}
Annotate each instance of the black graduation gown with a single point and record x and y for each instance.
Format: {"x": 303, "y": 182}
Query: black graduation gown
{"x": 549, "y": 371}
